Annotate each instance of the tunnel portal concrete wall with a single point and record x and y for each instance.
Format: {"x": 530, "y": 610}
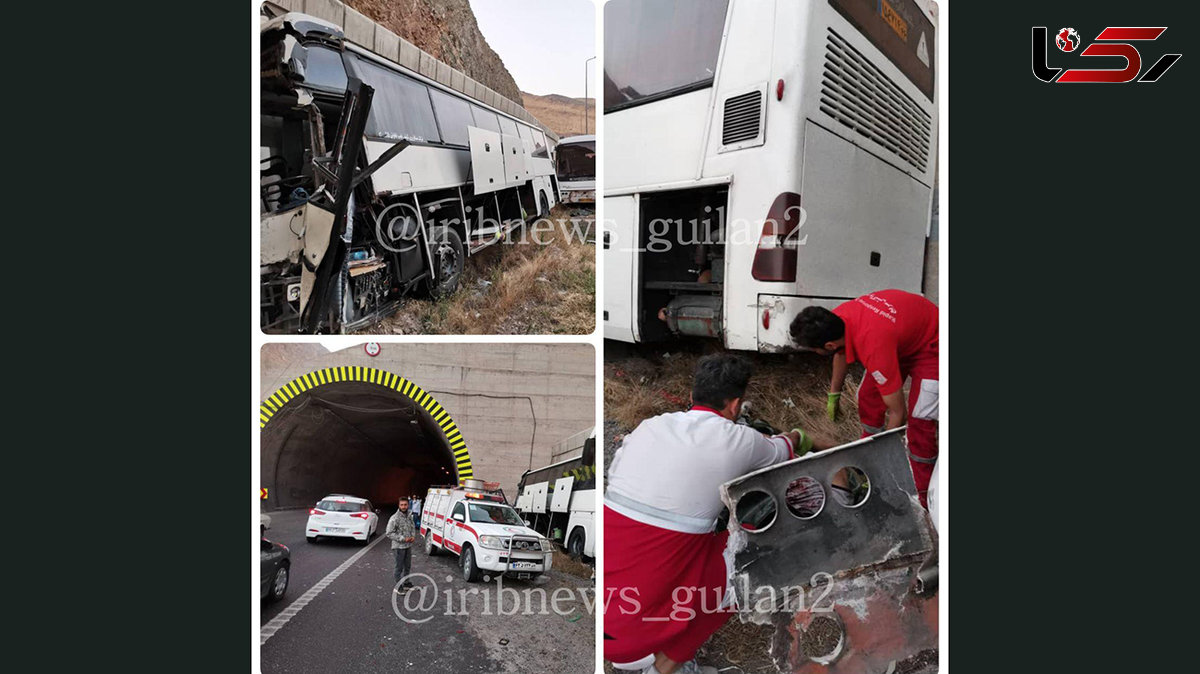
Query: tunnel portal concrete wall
{"x": 488, "y": 389}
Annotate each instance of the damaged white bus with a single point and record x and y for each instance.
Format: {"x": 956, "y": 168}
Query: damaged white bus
{"x": 382, "y": 170}
{"x": 779, "y": 153}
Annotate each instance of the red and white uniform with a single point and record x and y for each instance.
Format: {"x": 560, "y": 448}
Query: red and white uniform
{"x": 894, "y": 334}
{"x": 665, "y": 573}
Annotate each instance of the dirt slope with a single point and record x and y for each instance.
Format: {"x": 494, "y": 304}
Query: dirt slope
{"x": 562, "y": 114}
{"x": 446, "y": 29}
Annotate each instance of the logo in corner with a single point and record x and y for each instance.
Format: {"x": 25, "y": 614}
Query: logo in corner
{"x": 1113, "y": 41}
{"x": 1067, "y": 39}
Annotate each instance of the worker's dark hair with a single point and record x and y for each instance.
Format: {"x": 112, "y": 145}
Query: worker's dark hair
{"x": 814, "y": 326}
{"x": 720, "y": 378}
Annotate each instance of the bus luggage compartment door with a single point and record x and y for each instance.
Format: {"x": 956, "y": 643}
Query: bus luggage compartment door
{"x": 865, "y": 221}
{"x": 487, "y": 160}
{"x": 620, "y": 260}
{"x": 515, "y": 172}
{"x": 560, "y": 502}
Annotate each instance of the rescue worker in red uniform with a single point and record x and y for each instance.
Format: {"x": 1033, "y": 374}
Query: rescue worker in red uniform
{"x": 894, "y": 334}
{"x": 666, "y": 574}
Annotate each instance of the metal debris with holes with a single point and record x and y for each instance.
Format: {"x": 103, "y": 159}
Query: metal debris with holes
{"x": 828, "y": 548}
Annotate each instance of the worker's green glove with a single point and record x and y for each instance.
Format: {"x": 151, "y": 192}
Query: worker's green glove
{"x": 831, "y": 405}
{"x": 806, "y": 442}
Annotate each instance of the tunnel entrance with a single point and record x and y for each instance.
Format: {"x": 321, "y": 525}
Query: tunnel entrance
{"x": 358, "y": 431}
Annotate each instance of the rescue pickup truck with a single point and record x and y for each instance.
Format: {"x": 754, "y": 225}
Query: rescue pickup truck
{"x": 489, "y": 537}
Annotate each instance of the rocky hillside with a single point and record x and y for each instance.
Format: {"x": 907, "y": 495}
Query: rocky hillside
{"x": 446, "y": 29}
{"x": 562, "y": 114}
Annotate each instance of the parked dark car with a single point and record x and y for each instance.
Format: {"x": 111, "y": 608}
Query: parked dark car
{"x": 275, "y": 563}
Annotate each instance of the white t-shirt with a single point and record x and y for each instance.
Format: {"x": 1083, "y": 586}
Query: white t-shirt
{"x": 416, "y": 506}
{"x": 676, "y": 462}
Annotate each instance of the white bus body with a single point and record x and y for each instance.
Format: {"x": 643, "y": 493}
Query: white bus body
{"x": 559, "y": 500}
{"x": 465, "y": 167}
{"x": 752, "y": 109}
{"x": 575, "y": 164}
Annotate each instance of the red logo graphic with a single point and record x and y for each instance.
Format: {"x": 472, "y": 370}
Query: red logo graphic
{"x": 1112, "y": 41}
{"x": 1067, "y": 39}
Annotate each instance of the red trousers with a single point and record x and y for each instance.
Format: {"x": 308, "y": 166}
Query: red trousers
{"x": 922, "y": 416}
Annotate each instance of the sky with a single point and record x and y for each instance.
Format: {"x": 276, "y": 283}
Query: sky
{"x": 543, "y": 43}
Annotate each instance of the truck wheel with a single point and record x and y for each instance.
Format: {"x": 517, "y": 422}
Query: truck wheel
{"x": 470, "y": 571}
{"x": 575, "y": 544}
{"x": 448, "y": 259}
{"x": 430, "y": 548}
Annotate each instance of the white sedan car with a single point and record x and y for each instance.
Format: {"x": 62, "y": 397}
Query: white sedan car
{"x": 342, "y": 516}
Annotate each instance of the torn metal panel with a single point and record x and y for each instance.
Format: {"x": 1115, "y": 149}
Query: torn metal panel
{"x": 787, "y": 551}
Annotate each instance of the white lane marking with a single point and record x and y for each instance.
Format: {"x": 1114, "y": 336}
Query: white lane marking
{"x": 293, "y": 608}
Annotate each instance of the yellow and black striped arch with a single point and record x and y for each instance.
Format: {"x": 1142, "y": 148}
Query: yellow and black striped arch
{"x": 369, "y": 375}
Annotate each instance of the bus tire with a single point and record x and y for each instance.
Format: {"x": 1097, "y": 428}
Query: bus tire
{"x": 449, "y": 258}
{"x": 545, "y": 206}
{"x": 575, "y": 544}
{"x": 470, "y": 571}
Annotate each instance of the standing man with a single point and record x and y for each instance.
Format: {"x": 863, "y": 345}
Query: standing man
{"x": 664, "y": 563}
{"x": 416, "y": 510}
{"x": 400, "y": 530}
{"x": 895, "y": 336}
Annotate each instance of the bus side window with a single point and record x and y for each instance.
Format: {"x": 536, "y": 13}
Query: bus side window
{"x": 401, "y": 108}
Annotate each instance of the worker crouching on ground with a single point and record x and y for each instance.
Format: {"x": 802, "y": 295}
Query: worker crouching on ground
{"x": 665, "y": 573}
{"x": 895, "y": 336}
{"x": 402, "y": 533}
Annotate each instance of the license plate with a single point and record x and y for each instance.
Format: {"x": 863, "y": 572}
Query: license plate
{"x": 334, "y": 530}
{"x": 524, "y": 565}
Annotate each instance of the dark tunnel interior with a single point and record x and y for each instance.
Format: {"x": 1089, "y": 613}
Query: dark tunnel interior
{"x": 352, "y": 438}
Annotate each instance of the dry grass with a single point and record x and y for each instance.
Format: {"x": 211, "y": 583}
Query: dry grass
{"x": 786, "y": 391}
{"x": 563, "y": 562}
{"x": 514, "y": 288}
{"x": 746, "y": 647}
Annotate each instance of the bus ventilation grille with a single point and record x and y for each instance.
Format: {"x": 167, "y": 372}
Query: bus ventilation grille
{"x": 743, "y": 115}
{"x": 862, "y": 97}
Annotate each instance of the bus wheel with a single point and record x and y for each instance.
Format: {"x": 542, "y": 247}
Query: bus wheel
{"x": 448, "y": 259}
{"x": 575, "y": 544}
{"x": 545, "y": 206}
{"x": 470, "y": 571}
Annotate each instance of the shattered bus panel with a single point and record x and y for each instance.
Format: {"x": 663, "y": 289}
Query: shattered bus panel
{"x": 371, "y": 183}
{"x": 843, "y": 531}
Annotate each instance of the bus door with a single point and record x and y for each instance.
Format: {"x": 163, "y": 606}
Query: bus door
{"x": 620, "y": 267}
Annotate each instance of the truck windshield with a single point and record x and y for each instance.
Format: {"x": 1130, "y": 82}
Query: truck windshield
{"x": 496, "y": 514}
{"x": 577, "y": 161}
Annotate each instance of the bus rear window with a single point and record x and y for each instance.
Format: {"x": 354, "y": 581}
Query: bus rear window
{"x": 681, "y": 38}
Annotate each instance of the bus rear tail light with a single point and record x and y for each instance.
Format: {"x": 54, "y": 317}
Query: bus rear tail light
{"x": 775, "y": 259}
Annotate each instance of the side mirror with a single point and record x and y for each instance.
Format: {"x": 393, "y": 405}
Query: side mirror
{"x": 528, "y": 523}
{"x": 265, "y": 545}
{"x": 457, "y": 517}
